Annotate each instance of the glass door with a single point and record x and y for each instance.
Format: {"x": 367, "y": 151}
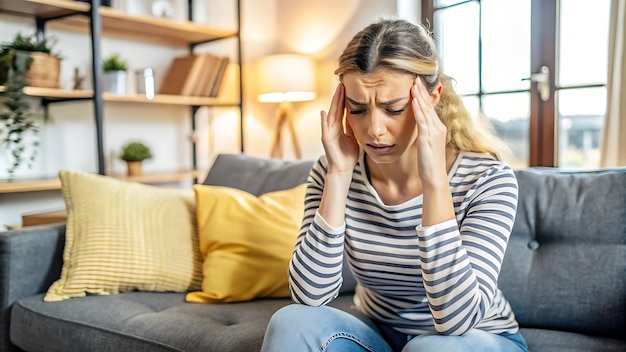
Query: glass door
{"x": 535, "y": 68}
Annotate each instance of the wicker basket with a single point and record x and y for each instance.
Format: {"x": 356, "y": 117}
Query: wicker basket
{"x": 44, "y": 71}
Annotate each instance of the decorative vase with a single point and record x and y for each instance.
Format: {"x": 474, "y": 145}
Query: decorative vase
{"x": 134, "y": 168}
{"x": 115, "y": 82}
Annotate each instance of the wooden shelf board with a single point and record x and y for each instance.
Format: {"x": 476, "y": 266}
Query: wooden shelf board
{"x": 17, "y": 186}
{"x": 164, "y": 177}
{"x": 118, "y": 24}
{"x": 55, "y": 93}
{"x": 165, "y": 99}
{"x": 43, "y": 8}
{"x": 48, "y": 184}
{"x": 169, "y": 100}
{"x": 115, "y": 22}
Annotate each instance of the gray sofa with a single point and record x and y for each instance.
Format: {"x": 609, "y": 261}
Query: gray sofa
{"x": 564, "y": 274}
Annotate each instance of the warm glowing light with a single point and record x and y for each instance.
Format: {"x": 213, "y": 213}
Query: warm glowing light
{"x": 285, "y": 77}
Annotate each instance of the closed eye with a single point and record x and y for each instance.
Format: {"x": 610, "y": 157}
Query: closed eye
{"x": 356, "y": 112}
{"x": 396, "y": 112}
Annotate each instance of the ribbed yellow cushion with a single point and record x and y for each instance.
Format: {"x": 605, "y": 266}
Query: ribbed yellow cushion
{"x": 246, "y": 242}
{"x": 123, "y": 236}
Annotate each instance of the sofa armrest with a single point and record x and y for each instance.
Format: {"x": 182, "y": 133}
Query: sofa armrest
{"x": 30, "y": 261}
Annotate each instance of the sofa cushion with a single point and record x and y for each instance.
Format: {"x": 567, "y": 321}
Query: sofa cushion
{"x": 123, "y": 236}
{"x": 565, "y": 265}
{"x": 246, "y": 242}
{"x": 144, "y": 321}
{"x": 544, "y": 340}
{"x": 258, "y": 176}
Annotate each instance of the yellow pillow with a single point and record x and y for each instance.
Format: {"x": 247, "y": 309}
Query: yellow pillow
{"x": 246, "y": 242}
{"x": 123, "y": 236}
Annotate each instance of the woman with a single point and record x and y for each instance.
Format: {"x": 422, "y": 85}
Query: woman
{"x": 413, "y": 192}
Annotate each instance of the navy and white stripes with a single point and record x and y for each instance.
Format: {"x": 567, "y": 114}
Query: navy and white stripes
{"x": 419, "y": 280}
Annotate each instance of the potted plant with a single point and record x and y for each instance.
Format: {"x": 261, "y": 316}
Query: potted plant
{"x": 45, "y": 66}
{"x": 114, "y": 68}
{"x": 19, "y": 127}
{"x": 134, "y": 153}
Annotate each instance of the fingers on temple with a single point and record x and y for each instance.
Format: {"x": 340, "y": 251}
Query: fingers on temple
{"x": 338, "y": 103}
{"x": 423, "y": 101}
{"x": 418, "y": 102}
{"x": 335, "y": 112}
{"x": 324, "y": 118}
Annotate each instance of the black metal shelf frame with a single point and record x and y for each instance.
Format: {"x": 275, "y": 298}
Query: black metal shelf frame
{"x": 195, "y": 108}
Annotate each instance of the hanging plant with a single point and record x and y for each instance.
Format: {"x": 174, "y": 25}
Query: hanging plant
{"x": 19, "y": 126}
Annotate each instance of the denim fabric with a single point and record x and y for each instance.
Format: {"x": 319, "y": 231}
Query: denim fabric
{"x": 473, "y": 340}
{"x": 298, "y": 327}
{"x": 325, "y": 329}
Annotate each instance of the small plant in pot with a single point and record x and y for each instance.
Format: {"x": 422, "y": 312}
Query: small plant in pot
{"x": 134, "y": 153}
{"x": 114, "y": 68}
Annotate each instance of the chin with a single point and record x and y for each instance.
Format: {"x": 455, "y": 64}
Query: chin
{"x": 382, "y": 158}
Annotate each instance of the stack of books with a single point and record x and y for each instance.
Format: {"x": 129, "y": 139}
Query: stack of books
{"x": 198, "y": 75}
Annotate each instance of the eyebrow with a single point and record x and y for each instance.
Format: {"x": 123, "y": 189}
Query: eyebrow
{"x": 390, "y": 102}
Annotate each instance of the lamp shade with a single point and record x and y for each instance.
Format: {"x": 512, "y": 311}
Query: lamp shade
{"x": 285, "y": 77}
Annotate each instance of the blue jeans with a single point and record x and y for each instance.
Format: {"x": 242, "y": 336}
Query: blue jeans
{"x": 303, "y": 328}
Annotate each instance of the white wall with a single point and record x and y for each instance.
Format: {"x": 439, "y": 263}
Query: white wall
{"x": 320, "y": 29}
{"x": 268, "y": 27}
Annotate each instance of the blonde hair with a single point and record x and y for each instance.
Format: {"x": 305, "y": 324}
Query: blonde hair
{"x": 400, "y": 45}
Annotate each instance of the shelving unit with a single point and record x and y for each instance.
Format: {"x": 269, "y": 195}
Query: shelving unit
{"x": 108, "y": 22}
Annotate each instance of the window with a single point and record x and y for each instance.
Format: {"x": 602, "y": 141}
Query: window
{"x": 536, "y": 69}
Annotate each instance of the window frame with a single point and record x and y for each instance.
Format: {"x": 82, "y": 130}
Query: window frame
{"x": 543, "y": 124}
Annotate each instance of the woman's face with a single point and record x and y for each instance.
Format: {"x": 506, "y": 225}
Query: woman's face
{"x": 379, "y": 112}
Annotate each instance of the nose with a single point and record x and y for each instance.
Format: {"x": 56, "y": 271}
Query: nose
{"x": 377, "y": 126}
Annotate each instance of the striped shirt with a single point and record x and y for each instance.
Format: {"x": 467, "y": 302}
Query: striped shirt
{"x": 440, "y": 278}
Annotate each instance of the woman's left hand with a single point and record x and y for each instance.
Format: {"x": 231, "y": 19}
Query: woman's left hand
{"x": 431, "y": 137}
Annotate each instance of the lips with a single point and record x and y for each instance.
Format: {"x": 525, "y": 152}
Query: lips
{"x": 380, "y": 148}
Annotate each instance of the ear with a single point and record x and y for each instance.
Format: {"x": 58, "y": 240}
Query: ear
{"x": 436, "y": 93}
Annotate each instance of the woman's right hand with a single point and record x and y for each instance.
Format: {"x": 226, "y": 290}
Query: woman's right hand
{"x": 341, "y": 148}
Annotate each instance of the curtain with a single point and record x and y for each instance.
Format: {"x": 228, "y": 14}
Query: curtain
{"x": 613, "y": 149}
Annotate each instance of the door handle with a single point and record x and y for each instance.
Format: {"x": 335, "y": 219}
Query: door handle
{"x": 542, "y": 78}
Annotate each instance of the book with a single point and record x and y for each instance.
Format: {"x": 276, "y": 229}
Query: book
{"x": 195, "y": 75}
{"x": 181, "y": 75}
{"x": 194, "y": 80}
{"x": 221, "y": 72}
{"x": 209, "y": 73}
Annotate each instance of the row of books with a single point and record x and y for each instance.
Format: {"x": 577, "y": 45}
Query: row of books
{"x": 195, "y": 75}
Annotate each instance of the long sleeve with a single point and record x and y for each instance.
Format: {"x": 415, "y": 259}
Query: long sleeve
{"x": 316, "y": 264}
{"x": 461, "y": 258}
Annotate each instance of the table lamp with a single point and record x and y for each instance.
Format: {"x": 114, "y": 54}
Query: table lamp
{"x": 284, "y": 79}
